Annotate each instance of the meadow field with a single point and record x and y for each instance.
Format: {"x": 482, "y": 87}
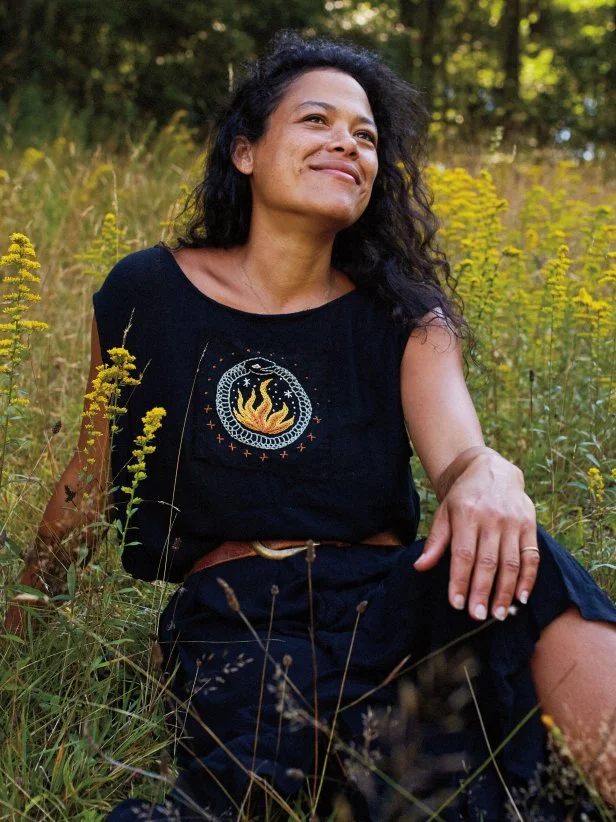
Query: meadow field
{"x": 532, "y": 242}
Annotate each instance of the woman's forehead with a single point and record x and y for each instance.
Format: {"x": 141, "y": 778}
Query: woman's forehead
{"x": 329, "y": 86}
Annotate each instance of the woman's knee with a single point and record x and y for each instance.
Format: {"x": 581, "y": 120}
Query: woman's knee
{"x": 574, "y": 670}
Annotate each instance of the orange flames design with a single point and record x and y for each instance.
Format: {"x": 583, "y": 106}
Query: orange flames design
{"x": 261, "y": 418}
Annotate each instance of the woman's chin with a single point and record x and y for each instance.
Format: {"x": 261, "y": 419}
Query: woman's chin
{"x": 340, "y": 213}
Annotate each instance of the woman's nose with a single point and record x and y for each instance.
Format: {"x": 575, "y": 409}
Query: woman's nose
{"x": 344, "y": 142}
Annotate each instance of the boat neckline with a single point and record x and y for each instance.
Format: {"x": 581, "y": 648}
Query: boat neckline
{"x": 255, "y": 315}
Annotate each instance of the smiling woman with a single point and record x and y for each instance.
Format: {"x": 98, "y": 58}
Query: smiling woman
{"x": 297, "y": 335}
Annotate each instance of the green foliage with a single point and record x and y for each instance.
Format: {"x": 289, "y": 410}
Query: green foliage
{"x": 93, "y": 69}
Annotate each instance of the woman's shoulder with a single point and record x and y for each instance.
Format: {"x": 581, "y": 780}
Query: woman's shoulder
{"x": 138, "y": 266}
{"x": 136, "y": 277}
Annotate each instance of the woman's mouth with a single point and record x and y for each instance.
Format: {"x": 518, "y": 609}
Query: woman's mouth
{"x": 349, "y": 175}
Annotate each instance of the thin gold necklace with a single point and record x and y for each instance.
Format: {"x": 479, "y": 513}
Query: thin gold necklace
{"x": 325, "y": 298}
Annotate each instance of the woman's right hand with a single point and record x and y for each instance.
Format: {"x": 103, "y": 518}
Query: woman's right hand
{"x": 16, "y": 615}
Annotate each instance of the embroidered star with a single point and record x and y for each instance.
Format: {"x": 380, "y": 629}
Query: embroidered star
{"x": 288, "y": 394}
{"x": 219, "y": 438}
{"x": 301, "y": 447}
{"x": 232, "y": 446}
{"x": 311, "y": 437}
{"x": 247, "y": 453}
{"x": 207, "y": 409}
{"x": 263, "y": 457}
{"x": 284, "y": 454}
{"x": 317, "y": 419}
{"x": 246, "y": 382}
{"x": 211, "y": 425}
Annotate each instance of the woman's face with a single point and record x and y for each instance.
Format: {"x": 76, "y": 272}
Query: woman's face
{"x": 318, "y": 155}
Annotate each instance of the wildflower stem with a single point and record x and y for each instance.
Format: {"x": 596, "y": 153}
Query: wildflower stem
{"x": 360, "y": 610}
{"x": 487, "y": 741}
{"x": 261, "y": 691}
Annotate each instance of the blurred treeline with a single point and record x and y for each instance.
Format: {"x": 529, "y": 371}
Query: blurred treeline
{"x": 543, "y": 70}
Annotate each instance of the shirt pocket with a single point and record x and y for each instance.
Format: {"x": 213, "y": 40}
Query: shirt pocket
{"x": 258, "y": 406}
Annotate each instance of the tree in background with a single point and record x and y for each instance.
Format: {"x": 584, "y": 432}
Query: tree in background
{"x": 542, "y": 69}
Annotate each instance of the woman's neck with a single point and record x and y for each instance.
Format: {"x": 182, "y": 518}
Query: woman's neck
{"x": 289, "y": 267}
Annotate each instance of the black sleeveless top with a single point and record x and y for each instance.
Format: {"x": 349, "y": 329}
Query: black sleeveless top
{"x": 278, "y": 426}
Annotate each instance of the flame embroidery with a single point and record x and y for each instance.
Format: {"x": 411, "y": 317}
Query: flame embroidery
{"x": 261, "y": 418}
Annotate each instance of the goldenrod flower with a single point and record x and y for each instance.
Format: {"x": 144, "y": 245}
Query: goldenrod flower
{"x": 596, "y": 484}
{"x": 20, "y": 265}
{"x": 105, "y": 392}
{"x": 152, "y": 421}
{"x": 20, "y": 261}
{"x": 106, "y": 250}
{"x": 31, "y": 158}
{"x": 547, "y": 721}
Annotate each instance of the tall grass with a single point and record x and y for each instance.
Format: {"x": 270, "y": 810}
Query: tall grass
{"x": 532, "y": 243}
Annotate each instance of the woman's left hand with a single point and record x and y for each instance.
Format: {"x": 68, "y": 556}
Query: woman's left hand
{"x": 488, "y": 520}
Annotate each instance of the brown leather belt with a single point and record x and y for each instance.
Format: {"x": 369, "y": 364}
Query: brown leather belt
{"x": 277, "y": 549}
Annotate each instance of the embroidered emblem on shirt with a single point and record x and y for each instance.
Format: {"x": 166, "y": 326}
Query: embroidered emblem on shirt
{"x": 262, "y": 404}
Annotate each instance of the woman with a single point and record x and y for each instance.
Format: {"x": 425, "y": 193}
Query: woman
{"x": 294, "y": 336}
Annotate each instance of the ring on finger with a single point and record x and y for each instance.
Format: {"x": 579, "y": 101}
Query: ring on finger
{"x": 530, "y": 548}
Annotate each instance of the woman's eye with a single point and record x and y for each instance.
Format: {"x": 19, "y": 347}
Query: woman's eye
{"x": 367, "y": 135}
{"x": 362, "y": 135}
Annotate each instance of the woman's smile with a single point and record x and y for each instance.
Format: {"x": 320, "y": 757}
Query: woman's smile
{"x": 340, "y": 170}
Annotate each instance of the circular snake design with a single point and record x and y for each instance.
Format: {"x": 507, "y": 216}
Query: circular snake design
{"x": 262, "y": 404}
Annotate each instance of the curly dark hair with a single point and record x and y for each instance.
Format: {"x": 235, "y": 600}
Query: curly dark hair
{"x": 390, "y": 249}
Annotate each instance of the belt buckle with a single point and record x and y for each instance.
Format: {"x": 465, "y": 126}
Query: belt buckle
{"x": 278, "y": 553}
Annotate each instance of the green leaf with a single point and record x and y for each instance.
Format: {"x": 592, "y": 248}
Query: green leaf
{"x": 71, "y": 580}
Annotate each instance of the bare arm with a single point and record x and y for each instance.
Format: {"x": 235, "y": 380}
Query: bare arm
{"x": 484, "y": 513}
{"x": 440, "y": 416}
{"x": 75, "y": 503}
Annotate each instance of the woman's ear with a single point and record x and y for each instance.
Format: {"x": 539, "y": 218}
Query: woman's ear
{"x": 242, "y": 155}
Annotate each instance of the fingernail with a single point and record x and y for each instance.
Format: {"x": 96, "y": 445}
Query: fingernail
{"x": 480, "y": 612}
{"x": 500, "y": 613}
{"x": 420, "y": 561}
{"x": 524, "y": 597}
{"x": 458, "y": 602}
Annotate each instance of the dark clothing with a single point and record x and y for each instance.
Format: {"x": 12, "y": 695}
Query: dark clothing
{"x": 407, "y": 615}
{"x": 291, "y": 426}
{"x": 268, "y": 414}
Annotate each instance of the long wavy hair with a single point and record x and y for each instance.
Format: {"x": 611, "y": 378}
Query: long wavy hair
{"x": 391, "y": 248}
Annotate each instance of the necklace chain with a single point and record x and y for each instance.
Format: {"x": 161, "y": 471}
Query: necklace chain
{"x": 325, "y": 298}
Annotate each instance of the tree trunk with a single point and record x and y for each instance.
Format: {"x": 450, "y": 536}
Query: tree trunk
{"x": 408, "y": 13}
{"x": 425, "y": 16}
{"x": 511, "y": 62}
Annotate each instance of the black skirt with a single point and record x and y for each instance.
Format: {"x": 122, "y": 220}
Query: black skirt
{"x": 417, "y": 674}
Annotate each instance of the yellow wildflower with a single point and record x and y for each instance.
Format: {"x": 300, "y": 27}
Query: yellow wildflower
{"x": 22, "y": 256}
{"x": 18, "y": 266}
{"x": 105, "y": 392}
{"x": 106, "y": 249}
{"x": 31, "y": 158}
{"x": 152, "y": 421}
{"x": 548, "y": 721}
{"x": 596, "y": 483}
